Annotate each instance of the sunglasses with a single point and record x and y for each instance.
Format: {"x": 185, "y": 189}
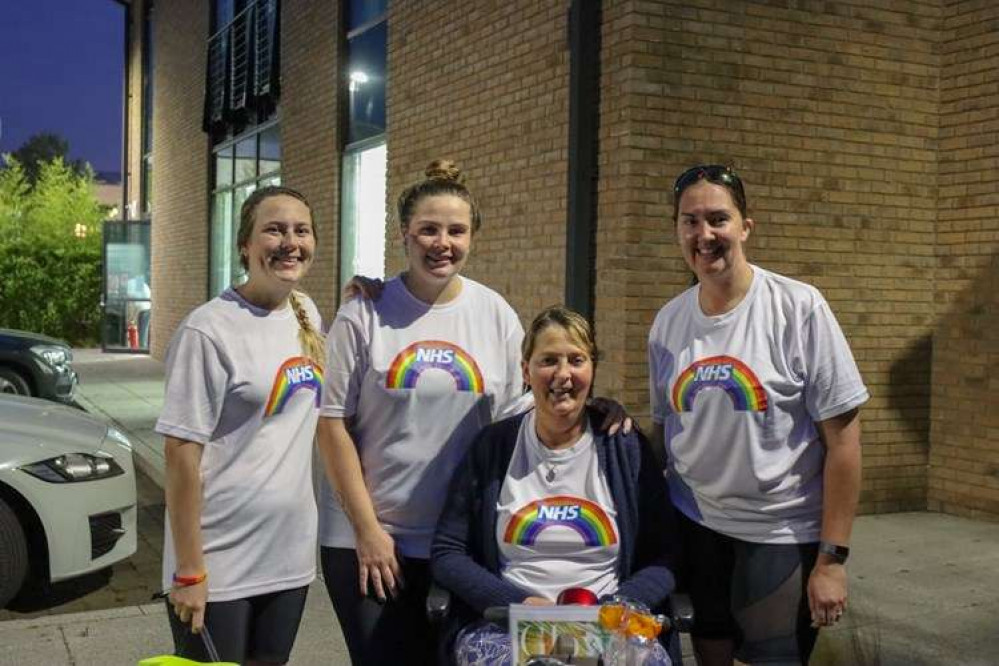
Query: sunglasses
{"x": 713, "y": 173}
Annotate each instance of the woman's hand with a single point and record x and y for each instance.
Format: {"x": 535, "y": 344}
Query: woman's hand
{"x": 538, "y": 601}
{"x": 615, "y": 416}
{"x": 365, "y": 287}
{"x": 827, "y": 593}
{"x": 377, "y": 563}
{"x": 189, "y": 604}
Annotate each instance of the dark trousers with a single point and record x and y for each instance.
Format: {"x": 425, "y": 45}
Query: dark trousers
{"x": 395, "y": 631}
{"x": 262, "y": 628}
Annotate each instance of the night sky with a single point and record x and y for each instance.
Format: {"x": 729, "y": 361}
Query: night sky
{"x": 61, "y": 71}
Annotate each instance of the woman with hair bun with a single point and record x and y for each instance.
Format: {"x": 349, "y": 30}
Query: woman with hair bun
{"x": 412, "y": 377}
{"x": 243, "y": 382}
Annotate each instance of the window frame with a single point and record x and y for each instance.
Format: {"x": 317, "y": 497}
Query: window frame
{"x": 232, "y": 189}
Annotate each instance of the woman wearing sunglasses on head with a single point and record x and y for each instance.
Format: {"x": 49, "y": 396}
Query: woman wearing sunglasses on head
{"x": 755, "y": 398}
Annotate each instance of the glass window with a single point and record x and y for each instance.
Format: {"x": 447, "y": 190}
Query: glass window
{"x": 366, "y": 87}
{"x": 272, "y": 180}
{"x": 363, "y": 214}
{"x": 222, "y": 242}
{"x": 360, "y": 12}
{"x": 223, "y": 167}
{"x": 224, "y": 11}
{"x": 147, "y": 184}
{"x": 246, "y": 159}
{"x": 127, "y": 289}
{"x": 270, "y": 150}
{"x": 225, "y": 265}
{"x": 237, "y": 174}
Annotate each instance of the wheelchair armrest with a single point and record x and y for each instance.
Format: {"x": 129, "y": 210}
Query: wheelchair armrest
{"x": 438, "y": 604}
{"x": 681, "y": 612}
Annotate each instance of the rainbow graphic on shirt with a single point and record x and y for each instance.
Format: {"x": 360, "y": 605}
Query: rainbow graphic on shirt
{"x": 298, "y": 372}
{"x": 726, "y": 373}
{"x": 412, "y": 361}
{"x": 581, "y": 515}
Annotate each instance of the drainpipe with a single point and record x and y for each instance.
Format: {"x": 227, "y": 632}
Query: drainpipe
{"x": 125, "y": 105}
{"x": 584, "y": 125}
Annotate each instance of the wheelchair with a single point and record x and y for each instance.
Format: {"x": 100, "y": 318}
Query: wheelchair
{"x": 679, "y": 614}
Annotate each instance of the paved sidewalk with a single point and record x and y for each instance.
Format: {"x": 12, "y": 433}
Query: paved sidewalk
{"x": 126, "y": 389}
{"x": 922, "y": 593}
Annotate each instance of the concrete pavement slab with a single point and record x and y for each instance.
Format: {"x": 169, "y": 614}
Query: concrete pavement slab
{"x": 123, "y": 636}
{"x": 920, "y": 593}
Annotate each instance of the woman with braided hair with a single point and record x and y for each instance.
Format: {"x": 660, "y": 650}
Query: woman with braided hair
{"x": 244, "y": 376}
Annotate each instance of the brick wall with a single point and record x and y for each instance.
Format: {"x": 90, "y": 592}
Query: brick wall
{"x": 964, "y": 473}
{"x": 865, "y": 133}
{"x": 487, "y": 86}
{"x": 830, "y": 115}
{"x": 180, "y": 183}
{"x": 309, "y": 145}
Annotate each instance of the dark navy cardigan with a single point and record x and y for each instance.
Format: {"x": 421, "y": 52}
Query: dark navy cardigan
{"x": 465, "y": 556}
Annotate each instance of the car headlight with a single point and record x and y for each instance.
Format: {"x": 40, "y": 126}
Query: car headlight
{"x": 55, "y": 355}
{"x": 74, "y": 467}
{"x": 118, "y": 437}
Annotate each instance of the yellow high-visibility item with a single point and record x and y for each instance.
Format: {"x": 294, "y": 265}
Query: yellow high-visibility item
{"x": 170, "y": 660}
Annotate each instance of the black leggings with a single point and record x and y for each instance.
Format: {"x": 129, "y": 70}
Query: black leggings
{"x": 752, "y": 593}
{"x": 392, "y": 632}
{"x": 261, "y": 628}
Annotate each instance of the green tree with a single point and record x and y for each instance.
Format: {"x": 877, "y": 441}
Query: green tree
{"x": 50, "y": 251}
{"x": 42, "y": 149}
{"x": 63, "y": 205}
{"x": 14, "y": 191}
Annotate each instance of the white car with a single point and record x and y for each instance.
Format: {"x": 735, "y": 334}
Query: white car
{"x": 67, "y": 493}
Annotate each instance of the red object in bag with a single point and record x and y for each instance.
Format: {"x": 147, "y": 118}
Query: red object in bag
{"x": 576, "y": 596}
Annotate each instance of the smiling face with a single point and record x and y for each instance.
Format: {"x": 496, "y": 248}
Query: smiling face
{"x": 560, "y": 373}
{"x": 438, "y": 238}
{"x": 711, "y": 232}
{"x": 280, "y": 248}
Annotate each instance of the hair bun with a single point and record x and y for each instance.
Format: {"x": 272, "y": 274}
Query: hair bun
{"x": 444, "y": 170}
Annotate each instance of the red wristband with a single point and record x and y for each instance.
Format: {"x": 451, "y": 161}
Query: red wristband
{"x": 187, "y": 581}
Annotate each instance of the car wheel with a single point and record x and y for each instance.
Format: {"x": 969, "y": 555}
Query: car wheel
{"x": 11, "y": 381}
{"x": 13, "y": 554}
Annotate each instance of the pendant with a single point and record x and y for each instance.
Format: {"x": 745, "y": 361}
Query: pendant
{"x": 550, "y": 476}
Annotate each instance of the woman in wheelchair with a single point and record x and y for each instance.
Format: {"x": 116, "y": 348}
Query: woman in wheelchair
{"x": 544, "y": 501}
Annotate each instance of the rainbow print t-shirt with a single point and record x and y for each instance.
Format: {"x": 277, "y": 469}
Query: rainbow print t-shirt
{"x": 239, "y": 385}
{"x": 417, "y": 382}
{"x": 556, "y": 523}
{"x": 738, "y": 396}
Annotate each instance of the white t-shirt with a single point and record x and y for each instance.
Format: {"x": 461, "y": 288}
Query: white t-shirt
{"x": 738, "y": 396}
{"x": 556, "y": 524}
{"x": 417, "y": 382}
{"x": 238, "y": 383}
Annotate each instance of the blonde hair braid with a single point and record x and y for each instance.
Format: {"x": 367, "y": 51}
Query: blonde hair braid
{"x": 313, "y": 342}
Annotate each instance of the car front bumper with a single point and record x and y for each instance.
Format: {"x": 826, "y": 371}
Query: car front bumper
{"x": 55, "y": 382}
{"x": 89, "y": 525}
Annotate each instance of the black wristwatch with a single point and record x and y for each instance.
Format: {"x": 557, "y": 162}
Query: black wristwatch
{"x": 838, "y": 553}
